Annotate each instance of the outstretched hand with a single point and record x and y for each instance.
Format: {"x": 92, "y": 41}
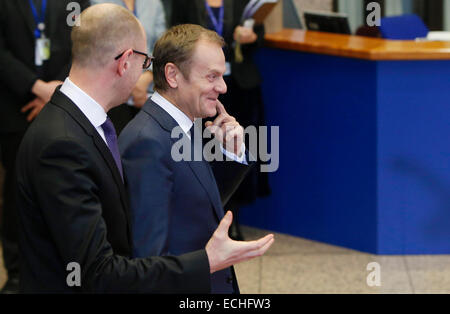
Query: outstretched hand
{"x": 224, "y": 252}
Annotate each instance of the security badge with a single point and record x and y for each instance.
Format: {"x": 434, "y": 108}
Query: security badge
{"x": 42, "y": 49}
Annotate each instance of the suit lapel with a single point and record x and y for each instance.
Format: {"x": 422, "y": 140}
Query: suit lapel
{"x": 25, "y": 9}
{"x": 201, "y": 169}
{"x": 62, "y": 101}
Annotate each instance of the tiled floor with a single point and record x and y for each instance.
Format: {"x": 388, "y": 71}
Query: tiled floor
{"x": 295, "y": 265}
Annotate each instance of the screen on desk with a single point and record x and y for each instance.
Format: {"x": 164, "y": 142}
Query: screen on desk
{"x": 327, "y": 22}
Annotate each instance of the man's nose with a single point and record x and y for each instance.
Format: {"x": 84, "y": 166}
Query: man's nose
{"x": 221, "y": 86}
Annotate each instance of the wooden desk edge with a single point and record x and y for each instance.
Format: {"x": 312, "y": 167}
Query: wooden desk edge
{"x": 374, "y": 49}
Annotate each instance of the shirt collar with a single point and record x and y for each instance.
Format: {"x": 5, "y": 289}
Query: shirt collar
{"x": 179, "y": 116}
{"x": 90, "y": 108}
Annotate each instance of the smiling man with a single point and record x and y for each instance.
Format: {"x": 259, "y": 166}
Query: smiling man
{"x": 177, "y": 206}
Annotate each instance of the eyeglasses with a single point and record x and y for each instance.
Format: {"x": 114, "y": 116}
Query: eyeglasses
{"x": 148, "y": 60}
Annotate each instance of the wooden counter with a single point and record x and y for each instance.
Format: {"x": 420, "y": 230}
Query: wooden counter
{"x": 357, "y": 46}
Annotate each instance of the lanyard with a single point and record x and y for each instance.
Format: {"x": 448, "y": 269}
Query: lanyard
{"x": 218, "y": 25}
{"x": 40, "y": 26}
{"x": 248, "y": 9}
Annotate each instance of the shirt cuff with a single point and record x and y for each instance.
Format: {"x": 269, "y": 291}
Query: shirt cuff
{"x": 234, "y": 157}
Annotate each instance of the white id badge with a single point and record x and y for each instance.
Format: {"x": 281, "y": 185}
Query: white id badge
{"x": 42, "y": 52}
{"x": 227, "y": 69}
{"x": 249, "y": 23}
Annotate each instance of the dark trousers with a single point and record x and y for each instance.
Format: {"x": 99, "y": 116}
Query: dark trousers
{"x": 9, "y": 145}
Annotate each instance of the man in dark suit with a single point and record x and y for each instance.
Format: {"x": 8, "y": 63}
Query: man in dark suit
{"x": 25, "y": 86}
{"x": 176, "y": 204}
{"x": 73, "y": 207}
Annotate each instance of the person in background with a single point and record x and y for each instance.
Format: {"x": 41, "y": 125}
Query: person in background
{"x": 34, "y": 59}
{"x": 243, "y": 99}
{"x": 151, "y": 14}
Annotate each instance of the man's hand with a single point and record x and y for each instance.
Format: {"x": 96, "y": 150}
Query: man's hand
{"x": 223, "y": 252}
{"x": 45, "y": 90}
{"x": 227, "y": 130}
{"x": 35, "y": 106}
{"x": 244, "y": 35}
{"x": 139, "y": 92}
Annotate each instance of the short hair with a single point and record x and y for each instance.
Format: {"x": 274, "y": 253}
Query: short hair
{"x": 177, "y": 46}
{"x": 104, "y": 30}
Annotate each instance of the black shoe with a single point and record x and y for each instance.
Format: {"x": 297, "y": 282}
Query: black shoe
{"x": 11, "y": 286}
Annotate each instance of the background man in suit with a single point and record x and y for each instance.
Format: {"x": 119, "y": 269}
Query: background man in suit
{"x": 25, "y": 87}
{"x": 73, "y": 207}
{"x": 177, "y": 205}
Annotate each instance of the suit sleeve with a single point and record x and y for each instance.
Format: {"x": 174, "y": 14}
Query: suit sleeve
{"x": 229, "y": 175}
{"x": 73, "y": 212}
{"x": 13, "y": 73}
{"x": 149, "y": 182}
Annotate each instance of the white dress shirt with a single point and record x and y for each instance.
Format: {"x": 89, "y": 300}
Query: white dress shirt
{"x": 185, "y": 123}
{"x": 88, "y": 106}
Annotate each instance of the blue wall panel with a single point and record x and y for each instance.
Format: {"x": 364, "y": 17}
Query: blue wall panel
{"x": 414, "y": 157}
{"x": 364, "y": 152}
{"x": 325, "y": 186}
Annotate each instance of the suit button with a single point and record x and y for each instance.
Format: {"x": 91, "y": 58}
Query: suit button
{"x": 230, "y": 280}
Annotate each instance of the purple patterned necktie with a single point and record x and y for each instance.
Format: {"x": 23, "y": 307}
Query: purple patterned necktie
{"x": 111, "y": 139}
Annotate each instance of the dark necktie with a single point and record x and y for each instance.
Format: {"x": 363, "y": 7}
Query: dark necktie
{"x": 111, "y": 139}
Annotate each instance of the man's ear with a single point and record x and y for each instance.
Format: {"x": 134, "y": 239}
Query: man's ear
{"x": 123, "y": 63}
{"x": 172, "y": 74}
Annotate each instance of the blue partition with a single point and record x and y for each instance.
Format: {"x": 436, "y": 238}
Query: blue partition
{"x": 364, "y": 152}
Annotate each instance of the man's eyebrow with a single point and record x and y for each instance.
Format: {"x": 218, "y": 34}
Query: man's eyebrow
{"x": 214, "y": 71}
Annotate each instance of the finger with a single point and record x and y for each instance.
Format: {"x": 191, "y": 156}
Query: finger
{"x": 220, "y": 108}
{"x": 222, "y": 118}
{"x": 232, "y": 128}
{"x": 230, "y": 125}
{"x": 258, "y": 252}
{"x": 214, "y": 129}
{"x": 236, "y": 133}
{"x": 257, "y": 244}
{"x": 225, "y": 224}
{"x": 208, "y": 124}
{"x": 30, "y": 105}
{"x": 33, "y": 114}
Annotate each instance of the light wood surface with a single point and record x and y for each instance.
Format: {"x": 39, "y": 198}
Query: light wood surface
{"x": 357, "y": 46}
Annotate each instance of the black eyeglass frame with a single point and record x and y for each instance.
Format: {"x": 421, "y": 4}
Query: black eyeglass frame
{"x": 148, "y": 59}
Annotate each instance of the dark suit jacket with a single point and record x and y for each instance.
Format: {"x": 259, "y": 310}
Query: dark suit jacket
{"x": 73, "y": 207}
{"x": 18, "y": 72}
{"x": 246, "y": 73}
{"x": 176, "y": 206}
